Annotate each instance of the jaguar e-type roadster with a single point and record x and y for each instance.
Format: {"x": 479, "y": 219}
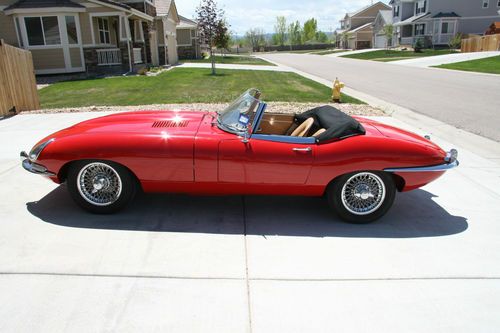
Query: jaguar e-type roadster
{"x": 357, "y": 163}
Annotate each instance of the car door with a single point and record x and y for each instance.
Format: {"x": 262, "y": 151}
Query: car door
{"x": 261, "y": 161}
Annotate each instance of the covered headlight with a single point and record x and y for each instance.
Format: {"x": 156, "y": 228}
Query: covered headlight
{"x": 451, "y": 156}
{"x": 37, "y": 150}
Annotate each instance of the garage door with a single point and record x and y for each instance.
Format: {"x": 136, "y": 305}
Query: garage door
{"x": 380, "y": 42}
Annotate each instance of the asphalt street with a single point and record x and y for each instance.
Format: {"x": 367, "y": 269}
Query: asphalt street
{"x": 174, "y": 263}
{"x": 465, "y": 100}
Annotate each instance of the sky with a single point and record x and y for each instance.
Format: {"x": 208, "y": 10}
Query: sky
{"x": 245, "y": 14}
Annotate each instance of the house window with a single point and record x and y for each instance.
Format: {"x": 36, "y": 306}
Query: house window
{"x": 419, "y": 29}
{"x": 103, "y": 25}
{"x": 42, "y": 30}
{"x": 445, "y": 28}
{"x": 420, "y": 7}
{"x": 486, "y": 3}
{"x": 71, "y": 29}
{"x": 498, "y": 3}
{"x": 395, "y": 11}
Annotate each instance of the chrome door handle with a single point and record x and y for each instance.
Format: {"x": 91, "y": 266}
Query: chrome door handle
{"x": 302, "y": 149}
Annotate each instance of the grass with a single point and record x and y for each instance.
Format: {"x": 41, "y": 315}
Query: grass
{"x": 186, "y": 85}
{"x": 393, "y": 55}
{"x": 237, "y": 60}
{"x": 487, "y": 65}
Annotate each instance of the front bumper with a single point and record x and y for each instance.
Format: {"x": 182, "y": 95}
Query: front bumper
{"x": 450, "y": 160}
{"x": 33, "y": 167}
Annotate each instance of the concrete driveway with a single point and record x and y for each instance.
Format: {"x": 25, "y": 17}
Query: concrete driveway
{"x": 465, "y": 100}
{"x": 175, "y": 263}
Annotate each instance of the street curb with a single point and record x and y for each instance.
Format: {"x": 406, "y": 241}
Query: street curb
{"x": 481, "y": 146}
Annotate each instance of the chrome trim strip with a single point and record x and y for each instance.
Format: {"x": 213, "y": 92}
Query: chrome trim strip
{"x": 37, "y": 169}
{"x": 285, "y": 139}
{"x": 434, "y": 168}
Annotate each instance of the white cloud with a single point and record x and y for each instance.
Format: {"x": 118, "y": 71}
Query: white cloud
{"x": 243, "y": 14}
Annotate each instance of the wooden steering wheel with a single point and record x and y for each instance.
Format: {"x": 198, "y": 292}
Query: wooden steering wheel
{"x": 304, "y": 128}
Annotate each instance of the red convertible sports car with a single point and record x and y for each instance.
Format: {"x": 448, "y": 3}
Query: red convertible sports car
{"x": 359, "y": 164}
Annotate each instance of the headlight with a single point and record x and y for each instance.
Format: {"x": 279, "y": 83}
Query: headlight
{"x": 35, "y": 152}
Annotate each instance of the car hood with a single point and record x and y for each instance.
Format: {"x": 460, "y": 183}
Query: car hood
{"x": 170, "y": 123}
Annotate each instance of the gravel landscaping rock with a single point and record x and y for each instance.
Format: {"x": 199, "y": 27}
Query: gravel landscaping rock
{"x": 278, "y": 107}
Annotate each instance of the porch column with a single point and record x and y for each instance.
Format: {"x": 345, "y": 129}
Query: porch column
{"x": 153, "y": 42}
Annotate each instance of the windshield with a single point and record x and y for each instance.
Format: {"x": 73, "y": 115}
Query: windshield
{"x": 241, "y": 113}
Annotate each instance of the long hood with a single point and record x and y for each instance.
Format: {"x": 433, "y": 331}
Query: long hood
{"x": 143, "y": 122}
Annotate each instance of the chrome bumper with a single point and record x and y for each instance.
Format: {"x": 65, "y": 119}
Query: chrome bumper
{"x": 33, "y": 167}
{"x": 450, "y": 159}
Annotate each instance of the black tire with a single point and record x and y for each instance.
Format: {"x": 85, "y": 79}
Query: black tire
{"x": 379, "y": 209}
{"x": 123, "y": 197}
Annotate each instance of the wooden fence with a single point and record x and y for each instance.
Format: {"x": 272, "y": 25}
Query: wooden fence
{"x": 481, "y": 43}
{"x": 18, "y": 90}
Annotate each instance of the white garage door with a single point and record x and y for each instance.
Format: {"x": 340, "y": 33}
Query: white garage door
{"x": 380, "y": 42}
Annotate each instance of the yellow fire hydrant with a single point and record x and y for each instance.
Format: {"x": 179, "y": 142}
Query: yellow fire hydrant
{"x": 337, "y": 86}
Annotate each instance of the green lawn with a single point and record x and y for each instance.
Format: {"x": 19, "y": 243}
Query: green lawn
{"x": 185, "y": 85}
{"x": 237, "y": 60}
{"x": 392, "y": 55}
{"x": 487, "y": 65}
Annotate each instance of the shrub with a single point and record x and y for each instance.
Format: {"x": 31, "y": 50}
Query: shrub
{"x": 418, "y": 46}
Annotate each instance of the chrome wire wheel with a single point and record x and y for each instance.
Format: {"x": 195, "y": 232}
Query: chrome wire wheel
{"x": 99, "y": 184}
{"x": 363, "y": 193}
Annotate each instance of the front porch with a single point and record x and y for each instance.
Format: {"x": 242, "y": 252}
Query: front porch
{"x": 119, "y": 44}
{"x": 432, "y": 32}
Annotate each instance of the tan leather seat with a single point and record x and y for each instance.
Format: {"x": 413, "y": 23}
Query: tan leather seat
{"x": 319, "y": 132}
{"x": 303, "y": 128}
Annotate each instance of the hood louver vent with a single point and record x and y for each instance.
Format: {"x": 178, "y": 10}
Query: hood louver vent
{"x": 170, "y": 123}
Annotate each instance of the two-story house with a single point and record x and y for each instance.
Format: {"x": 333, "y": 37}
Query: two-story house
{"x": 98, "y": 36}
{"x": 437, "y": 21}
{"x": 358, "y": 28}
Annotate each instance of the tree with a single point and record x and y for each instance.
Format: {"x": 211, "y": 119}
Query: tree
{"x": 321, "y": 37}
{"x": 388, "y": 33}
{"x": 344, "y": 39}
{"x": 209, "y": 18}
{"x": 222, "y": 36}
{"x": 279, "y": 38}
{"x": 310, "y": 29}
{"x": 455, "y": 41}
{"x": 255, "y": 38}
{"x": 295, "y": 34}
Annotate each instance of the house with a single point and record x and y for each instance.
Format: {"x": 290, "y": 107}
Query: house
{"x": 357, "y": 27}
{"x": 380, "y": 40}
{"x": 188, "y": 45}
{"x": 97, "y": 36}
{"x": 437, "y": 21}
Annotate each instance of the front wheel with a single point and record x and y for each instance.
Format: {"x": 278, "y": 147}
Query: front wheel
{"x": 101, "y": 187}
{"x": 362, "y": 197}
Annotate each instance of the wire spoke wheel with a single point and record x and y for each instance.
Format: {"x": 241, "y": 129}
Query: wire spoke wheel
{"x": 99, "y": 184}
{"x": 363, "y": 193}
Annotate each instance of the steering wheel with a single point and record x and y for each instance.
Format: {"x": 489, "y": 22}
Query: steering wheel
{"x": 304, "y": 128}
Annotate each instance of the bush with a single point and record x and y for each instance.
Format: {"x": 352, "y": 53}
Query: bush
{"x": 456, "y": 41}
{"x": 418, "y": 46}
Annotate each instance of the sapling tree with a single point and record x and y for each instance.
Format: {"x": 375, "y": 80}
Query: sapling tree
{"x": 209, "y": 17}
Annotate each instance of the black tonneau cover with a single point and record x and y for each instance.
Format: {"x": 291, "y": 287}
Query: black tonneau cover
{"x": 338, "y": 125}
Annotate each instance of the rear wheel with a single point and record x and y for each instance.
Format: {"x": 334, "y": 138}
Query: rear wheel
{"x": 101, "y": 187}
{"x": 362, "y": 197}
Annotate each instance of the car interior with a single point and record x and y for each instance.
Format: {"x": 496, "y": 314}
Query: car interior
{"x": 284, "y": 124}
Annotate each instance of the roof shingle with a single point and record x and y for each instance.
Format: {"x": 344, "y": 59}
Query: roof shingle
{"x": 43, "y": 4}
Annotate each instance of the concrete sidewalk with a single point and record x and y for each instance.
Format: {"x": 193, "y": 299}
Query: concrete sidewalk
{"x": 424, "y": 62}
{"x": 234, "y": 66}
{"x": 239, "y": 264}
{"x": 336, "y": 55}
